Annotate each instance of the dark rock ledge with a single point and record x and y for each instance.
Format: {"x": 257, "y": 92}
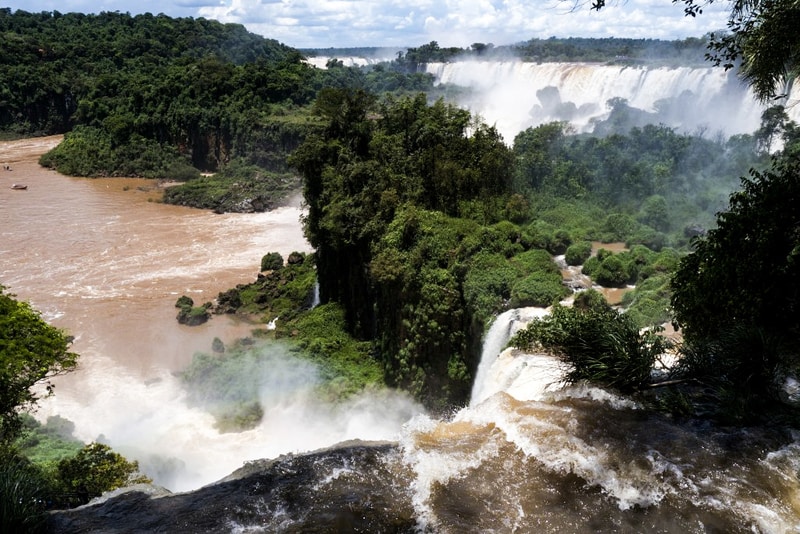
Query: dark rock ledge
{"x": 353, "y": 487}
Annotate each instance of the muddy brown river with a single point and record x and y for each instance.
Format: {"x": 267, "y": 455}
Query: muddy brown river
{"x": 105, "y": 261}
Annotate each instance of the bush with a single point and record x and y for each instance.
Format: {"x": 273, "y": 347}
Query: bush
{"x": 184, "y": 302}
{"x": 194, "y": 316}
{"x": 602, "y": 346}
{"x": 23, "y": 494}
{"x": 488, "y": 282}
{"x": 97, "y": 469}
{"x": 590, "y": 299}
{"x": 618, "y": 227}
{"x": 744, "y": 367}
{"x": 559, "y": 242}
{"x": 609, "y": 269}
{"x": 272, "y": 262}
{"x": 537, "y": 289}
{"x": 578, "y": 253}
{"x": 648, "y": 303}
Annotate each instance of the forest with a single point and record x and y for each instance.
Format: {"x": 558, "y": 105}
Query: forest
{"x": 425, "y": 222}
{"x": 686, "y": 52}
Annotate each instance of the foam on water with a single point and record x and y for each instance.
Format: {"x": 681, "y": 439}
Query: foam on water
{"x": 178, "y": 444}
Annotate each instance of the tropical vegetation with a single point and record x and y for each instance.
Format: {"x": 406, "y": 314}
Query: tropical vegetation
{"x": 42, "y": 466}
{"x": 425, "y": 222}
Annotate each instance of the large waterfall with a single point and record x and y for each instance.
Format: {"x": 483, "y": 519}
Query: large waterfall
{"x": 532, "y": 456}
{"x": 515, "y": 95}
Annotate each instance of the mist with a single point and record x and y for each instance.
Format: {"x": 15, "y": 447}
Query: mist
{"x": 514, "y": 95}
{"x": 176, "y": 439}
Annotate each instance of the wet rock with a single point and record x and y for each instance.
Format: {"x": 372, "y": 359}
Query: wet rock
{"x": 296, "y": 258}
{"x": 354, "y": 487}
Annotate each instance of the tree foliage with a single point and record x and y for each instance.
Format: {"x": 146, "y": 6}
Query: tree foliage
{"x": 745, "y": 272}
{"x": 97, "y": 469}
{"x": 397, "y": 196}
{"x": 31, "y": 352}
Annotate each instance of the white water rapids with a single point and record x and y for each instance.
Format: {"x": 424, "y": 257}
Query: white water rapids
{"x": 527, "y": 455}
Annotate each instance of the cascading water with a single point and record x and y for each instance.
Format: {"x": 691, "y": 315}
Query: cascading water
{"x": 487, "y": 381}
{"x": 494, "y": 342}
{"x": 315, "y": 296}
{"x": 531, "y": 454}
{"x": 515, "y": 95}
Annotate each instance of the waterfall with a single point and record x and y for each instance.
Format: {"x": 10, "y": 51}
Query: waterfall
{"x": 495, "y": 341}
{"x": 315, "y": 297}
{"x": 515, "y": 95}
{"x": 503, "y": 328}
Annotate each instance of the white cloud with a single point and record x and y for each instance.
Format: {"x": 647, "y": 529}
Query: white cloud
{"x": 332, "y": 23}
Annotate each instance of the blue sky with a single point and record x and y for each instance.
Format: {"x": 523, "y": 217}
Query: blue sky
{"x": 339, "y": 23}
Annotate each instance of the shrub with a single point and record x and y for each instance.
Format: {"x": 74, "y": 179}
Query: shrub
{"x": 648, "y": 303}
{"x": 618, "y": 227}
{"x": 272, "y": 261}
{"x": 487, "y": 284}
{"x": 23, "y": 493}
{"x": 537, "y": 289}
{"x": 97, "y": 469}
{"x": 559, "y": 242}
{"x": 612, "y": 272}
{"x": 589, "y": 299}
{"x": 194, "y": 315}
{"x": 184, "y": 302}
{"x": 578, "y": 253}
{"x": 602, "y": 346}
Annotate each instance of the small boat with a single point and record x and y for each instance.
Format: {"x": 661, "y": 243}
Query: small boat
{"x": 19, "y": 186}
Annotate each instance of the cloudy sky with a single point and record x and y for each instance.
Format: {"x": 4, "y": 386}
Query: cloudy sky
{"x": 340, "y": 23}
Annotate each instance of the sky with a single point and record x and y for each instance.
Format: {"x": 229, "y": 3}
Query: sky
{"x": 404, "y": 23}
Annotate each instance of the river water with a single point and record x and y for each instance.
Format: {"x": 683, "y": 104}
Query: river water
{"x": 104, "y": 261}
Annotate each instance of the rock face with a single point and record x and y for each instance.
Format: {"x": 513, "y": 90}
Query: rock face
{"x": 354, "y": 487}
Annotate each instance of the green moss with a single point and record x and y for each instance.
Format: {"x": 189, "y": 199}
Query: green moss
{"x": 277, "y": 293}
{"x": 322, "y": 336}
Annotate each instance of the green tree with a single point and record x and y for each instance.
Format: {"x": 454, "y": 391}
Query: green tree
{"x": 97, "y": 469}
{"x": 31, "y": 352}
{"x": 746, "y": 272}
{"x": 272, "y": 261}
{"x": 737, "y": 296}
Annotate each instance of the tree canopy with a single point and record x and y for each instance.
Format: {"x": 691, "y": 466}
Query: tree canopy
{"x": 31, "y": 351}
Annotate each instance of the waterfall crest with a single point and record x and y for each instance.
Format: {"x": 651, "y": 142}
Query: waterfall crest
{"x": 514, "y": 95}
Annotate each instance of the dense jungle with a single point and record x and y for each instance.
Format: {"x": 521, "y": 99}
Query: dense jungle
{"x": 425, "y": 223}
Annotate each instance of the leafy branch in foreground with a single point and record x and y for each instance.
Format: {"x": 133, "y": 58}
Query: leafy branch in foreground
{"x": 602, "y": 345}
{"x": 31, "y": 351}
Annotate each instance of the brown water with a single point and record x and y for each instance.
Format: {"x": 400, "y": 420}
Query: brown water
{"x": 102, "y": 260}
